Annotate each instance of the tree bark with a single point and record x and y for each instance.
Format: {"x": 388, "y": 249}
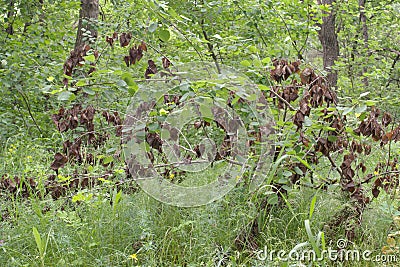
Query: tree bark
{"x": 363, "y": 20}
{"x": 10, "y": 18}
{"x": 88, "y": 16}
{"x": 328, "y": 38}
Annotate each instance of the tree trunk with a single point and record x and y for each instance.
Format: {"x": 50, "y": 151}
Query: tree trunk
{"x": 10, "y": 18}
{"x": 363, "y": 20}
{"x": 328, "y": 38}
{"x": 88, "y": 15}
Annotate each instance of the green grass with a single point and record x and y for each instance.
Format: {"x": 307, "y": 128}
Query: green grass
{"x": 112, "y": 228}
{"x": 97, "y": 233}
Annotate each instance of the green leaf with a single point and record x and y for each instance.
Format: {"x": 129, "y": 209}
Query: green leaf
{"x": 108, "y": 159}
{"x": 257, "y": 63}
{"x": 46, "y": 89}
{"x": 66, "y": 95}
{"x": 273, "y": 199}
{"x": 90, "y": 58}
{"x": 263, "y": 87}
{"x": 245, "y": 63}
{"x": 370, "y": 103}
{"x": 153, "y": 127}
{"x": 81, "y": 83}
{"x": 312, "y": 205}
{"x": 347, "y": 110}
{"x": 298, "y": 170}
{"x": 117, "y": 197}
{"x": 122, "y": 84}
{"x": 164, "y": 35}
{"x": 311, "y": 238}
{"x": 89, "y": 91}
{"x": 133, "y": 89}
{"x": 132, "y": 85}
{"x": 266, "y": 60}
{"x": 38, "y": 240}
{"x": 205, "y": 110}
{"x": 252, "y": 97}
{"x": 287, "y": 173}
{"x": 360, "y": 109}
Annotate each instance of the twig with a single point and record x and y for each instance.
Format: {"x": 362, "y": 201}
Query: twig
{"x": 289, "y": 33}
{"x": 334, "y": 165}
{"x": 283, "y": 100}
{"x": 377, "y": 175}
{"x": 180, "y": 163}
{"x": 29, "y": 110}
{"x": 210, "y": 46}
{"x": 392, "y": 69}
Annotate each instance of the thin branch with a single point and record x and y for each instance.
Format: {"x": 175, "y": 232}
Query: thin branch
{"x": 210, "y": 46}
{"x": 392, "y": 50}
{"x": 175, "y": 164}
{"x": 29, "y": 110}
{"x": 137, "y": 81}
{"x": 283, "y": 100}
{"x": 334, "y": 165}
{"x": 379, "y": 174}
{"x": 289, "y": 33}
{"x": 392, "y": 68}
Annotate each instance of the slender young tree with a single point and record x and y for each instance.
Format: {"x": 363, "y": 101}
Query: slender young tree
{"x": 364, "y": 27}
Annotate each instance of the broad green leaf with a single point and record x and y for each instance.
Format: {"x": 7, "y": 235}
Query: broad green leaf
{"x": 257, "y": 63}
{"x": 347, "y": 110}
{"x": 360, "y": 109}
{"x": 164, "y": 35}
{"x": 90, "y": 58}
{"x": 163, "y": 112}
{"x": 89, "y": 91}
{"x": 108, "y": 159}
{"x": 205, "y": 111}
{"x": 81, "y": 83}
{"x": 245, "y": 63}
{"x": 66, "y": 95}
{"x": 266, "y": 60}
{"x": 298, "y": 170}
{"x": 263, "y": 87}
{"x": 370, "y": 103}
{"x": 287, "y": 173}
{"x": 273, "y": 199}
{"x": 133, "y": 89}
